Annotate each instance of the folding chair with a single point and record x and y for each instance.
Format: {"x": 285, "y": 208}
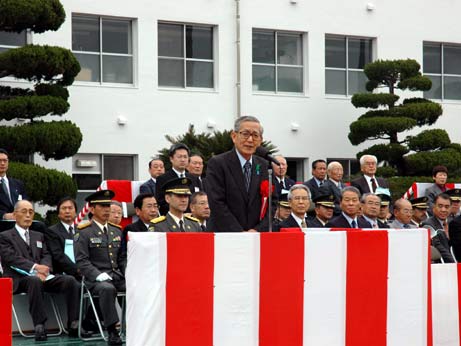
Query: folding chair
{"x": 57, "y": 316}
{"x": 86, "y": 297}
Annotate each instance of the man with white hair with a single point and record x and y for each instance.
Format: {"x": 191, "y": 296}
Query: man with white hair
{"x": 369, "y": 182}
{"x": 334, "y": 183}
{"x": 299, "y": 200}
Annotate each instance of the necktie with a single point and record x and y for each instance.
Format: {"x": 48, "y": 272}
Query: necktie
{"x": 373, "y": 184}
{"x": 303, "y": 224}
{"x": 182, "y": 175}
{"x": 181, "y": 226}
{"x": 354, "y": 224}
{"x": 375, "y": 225}
{"x": 104, "y": 229}
{"x": 406, "y": 226}
{"x": 247, "y": 174}
{"x": 27, "y": 236}
{"x": 445, "y": 229}
{"x": 202, "y": 226}
{"x": 321, "y": 183}
{"x": 71, "y": 230}
{"x": 5, "y": 190}
{"x": 282, "y": 184}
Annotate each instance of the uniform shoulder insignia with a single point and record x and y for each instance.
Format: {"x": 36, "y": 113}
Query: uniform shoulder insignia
{"x": 83, "y": 225}
{"x": 192, "y": 218}
{"x": 158, "y": 219}
{"x": 115, "y": 225}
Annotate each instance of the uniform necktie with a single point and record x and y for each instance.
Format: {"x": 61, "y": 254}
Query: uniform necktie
{"x": 5, "y": 190}
{"x": 182, "y": 175}
{"x": 373, "y": 184}
{"x": 247, "y": 174}
{"x": 303, "y": 223}
{"x": 181, "y": 226}
{"x": 104, "y": 229}
{"x": 27, "y": 236}
{"x": 354, "y": 224}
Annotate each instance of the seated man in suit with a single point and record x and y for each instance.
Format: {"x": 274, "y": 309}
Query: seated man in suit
{"x": 299, "y": 200}
{"x": 324, "y": 206}
{"x": 177, "y": 193}
{"x": 281, "y": 181}
{"x": 100, "y": 259}
{"x": 369, "y": 182}
{"x": 370, "y": 204}
{"x": 200, "y": 209}
{"x": 402, "y": 214}
{"x": 11, "y": 190}
{"x": 439, "y": 226}
{"x": 60, "y": 234}
{"x": 319, "y": 173}
{"x": 179, "y": 157}
{"x": 334, "y": 184}
{"x": 146, "y": 209}
{"x": 156, "y": 169}
{"x": 350, "y": 208}
{"x": 25, "y": 258}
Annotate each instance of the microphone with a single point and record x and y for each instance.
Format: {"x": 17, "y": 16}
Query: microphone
{"x": 265, "y": 154}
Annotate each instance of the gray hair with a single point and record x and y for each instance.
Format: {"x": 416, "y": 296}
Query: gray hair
{"x": 298, "y": 187}
{"x": 350, "y": 189}
{"x": 246, "y": 118}
{"x": 117, "y": 203}
{"x": 364, "y": 157}
{"x": 366, "y": 195}
{"x": 334, "y": 164}
{"x": 16, "y": 205}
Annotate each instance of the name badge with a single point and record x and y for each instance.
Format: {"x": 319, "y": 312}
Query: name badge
{"x": 197, "y": 189}
{"x": 69, "y": 242}
{"x": 39, "y": 244}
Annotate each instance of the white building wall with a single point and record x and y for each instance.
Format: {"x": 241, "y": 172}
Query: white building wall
{"x": 399, "y": 29}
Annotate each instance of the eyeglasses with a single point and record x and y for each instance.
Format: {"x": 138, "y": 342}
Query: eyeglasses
{"x": 26, "y": 211}
{"x": 300, "y": 198}
{"x": 406, "y": 211}
{"x": 373, "y": 203}
{"x": 246, "y": 135}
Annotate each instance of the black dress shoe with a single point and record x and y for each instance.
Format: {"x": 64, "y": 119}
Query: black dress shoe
{"x": 114, "y": 339}
{"x": 40, "y": 333}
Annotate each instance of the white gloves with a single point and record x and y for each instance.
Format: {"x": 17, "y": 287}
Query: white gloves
{"x": 103, "y": 277}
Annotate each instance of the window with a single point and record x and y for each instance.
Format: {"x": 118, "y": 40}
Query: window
{"x": 103, "y": 47}
{"x": 10, "y": 40}
{"x": 185, "y": 56}
{"x": 89, "y": 170}
{"x": 442, "y": 64}
{"x": 345, "y": 58}
{"x": 277, "y": 61}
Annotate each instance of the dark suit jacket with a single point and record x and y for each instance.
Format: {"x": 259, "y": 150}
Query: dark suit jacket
{"x": 233, "y": 209}
{"x": 55, "y": 237}
{"x": 454, "y": 229}
{"x": 440, "y": 241}
{"x": 16, "y": 189}
{"x": 315, "y": 223}
{"x": 314, "y": 188}
{"x": 160, "y": 194}
{"x": 15, "y": 252}
{"x": 148, "y": 187}
{"x": 330, "y": 188}
{"x": 288, "y": 183}
{"x": 362, "y": 185}
{"x": 341, "y": 222}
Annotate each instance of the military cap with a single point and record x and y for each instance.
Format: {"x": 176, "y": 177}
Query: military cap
{"x": 455, "y": 194}
{"x": 420, "y": 202}
{"x": 385, "y": 199}
{"x": 178, "y": 186}
{"x": 178, "y": 146}
{"x": 283, "y": 200}
{"x": 327, "y": 201}
{"x": 101, "y": 197}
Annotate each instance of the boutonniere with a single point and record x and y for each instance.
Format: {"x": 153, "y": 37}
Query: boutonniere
{"x": 258, "y": 169}
{"x": 264, "y": 192}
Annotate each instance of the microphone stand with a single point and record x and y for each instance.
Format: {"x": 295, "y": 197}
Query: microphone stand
{"x": 269, "y": 201}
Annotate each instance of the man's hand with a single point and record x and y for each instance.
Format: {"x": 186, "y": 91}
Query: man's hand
{"x": 42, "y": 269}
{"x": 42, "y": 277}
{"x": 103, "y": 277}
{"x": 8, "y": 216}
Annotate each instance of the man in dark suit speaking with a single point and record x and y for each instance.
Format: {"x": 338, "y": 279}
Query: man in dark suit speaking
{"x": 234, "y": 182}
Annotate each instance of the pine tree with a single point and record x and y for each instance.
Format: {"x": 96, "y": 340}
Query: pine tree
{"x": 50, "y": 70}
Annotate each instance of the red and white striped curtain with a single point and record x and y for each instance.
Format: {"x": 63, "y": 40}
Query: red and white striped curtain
{"x": 290, "y": 289}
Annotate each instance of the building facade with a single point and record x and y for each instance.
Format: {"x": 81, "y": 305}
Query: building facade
{"x": 151, "y": 68}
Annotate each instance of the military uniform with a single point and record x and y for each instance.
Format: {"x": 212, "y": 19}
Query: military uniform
{"x": 167, "y": 224}
{"x": 98, "y": 250}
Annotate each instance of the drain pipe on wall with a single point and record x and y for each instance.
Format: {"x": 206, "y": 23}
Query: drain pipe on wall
{"x": 237, "y": 42}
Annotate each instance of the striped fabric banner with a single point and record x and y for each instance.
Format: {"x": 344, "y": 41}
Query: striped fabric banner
{"x": 269, "y": 289}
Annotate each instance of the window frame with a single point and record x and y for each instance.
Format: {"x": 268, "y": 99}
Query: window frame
{"x": 442, "y": 74}
{"x": 101, "y": 54}
{"x": 276, "y": 65}
{"x": 185, "y": 59}
{"x": 28, "y": 34}
{"x": 346, "y": 69}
